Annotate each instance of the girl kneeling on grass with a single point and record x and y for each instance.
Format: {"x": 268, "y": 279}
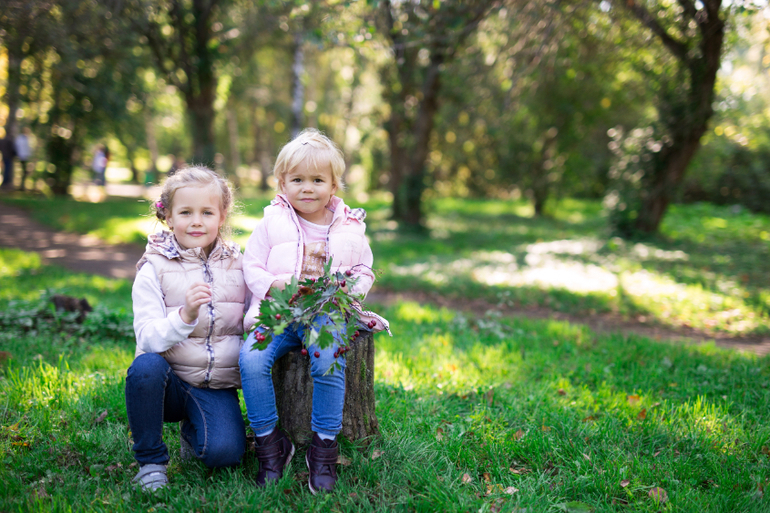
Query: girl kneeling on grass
{"x": 305, "y": 227}
{"x": 189, "y": 297}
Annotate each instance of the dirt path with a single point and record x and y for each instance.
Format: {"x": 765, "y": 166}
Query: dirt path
{"x": 76, "y": 252}
{"x": 91, "y": 255}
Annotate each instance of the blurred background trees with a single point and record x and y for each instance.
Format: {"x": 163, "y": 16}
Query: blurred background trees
{"x": 641, "y": 103}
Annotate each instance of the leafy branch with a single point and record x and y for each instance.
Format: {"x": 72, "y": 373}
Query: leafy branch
{"x": 303, "y": 303}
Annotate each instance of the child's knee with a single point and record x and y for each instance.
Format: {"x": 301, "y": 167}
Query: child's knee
{"x": 148, "y": 366}
{"x": 319, "y": 366}
{"x": 225, "y": 452}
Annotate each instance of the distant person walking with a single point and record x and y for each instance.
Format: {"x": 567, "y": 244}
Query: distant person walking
{"x": 9, "y": 152}
{"x": 23, "y": 153}
{"x": 101, "y": 157}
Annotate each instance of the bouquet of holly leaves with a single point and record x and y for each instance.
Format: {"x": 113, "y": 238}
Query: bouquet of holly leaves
{"x": 302, "y": 302}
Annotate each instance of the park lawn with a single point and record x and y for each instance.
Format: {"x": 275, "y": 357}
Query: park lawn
{"x": 709, "y": 269}
{"x": 476, "y": 414}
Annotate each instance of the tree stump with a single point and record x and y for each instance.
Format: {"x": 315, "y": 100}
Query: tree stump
{"x": 294, "y": 393}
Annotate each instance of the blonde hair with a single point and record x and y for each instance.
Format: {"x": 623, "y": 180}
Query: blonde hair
{"x": 313, "y": 146}
{"x": 194, "y": 176}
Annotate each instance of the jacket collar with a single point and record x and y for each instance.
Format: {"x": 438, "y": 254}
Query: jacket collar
{"x": 336, "y": 205}
{"x": 164, "y": 243}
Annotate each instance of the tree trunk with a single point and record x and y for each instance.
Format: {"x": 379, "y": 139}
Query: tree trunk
{"x": 297, "y": 87}
{"x": 685, "y": 116}
{"x": 60, "y": 151}
{"x": 232, "y": 132}
{"x": 294, "y": 393}
{"x": 12, "y": 88}
{"x": 200, "y": 110}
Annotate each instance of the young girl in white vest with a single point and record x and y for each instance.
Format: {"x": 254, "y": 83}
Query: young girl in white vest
{"x": 305, "y": 226}
{"x": 189, "y": 298}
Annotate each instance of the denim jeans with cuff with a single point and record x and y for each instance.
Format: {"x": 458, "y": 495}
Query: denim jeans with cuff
{"x": 213, "y": 424}
{"x": 328, "y": 389}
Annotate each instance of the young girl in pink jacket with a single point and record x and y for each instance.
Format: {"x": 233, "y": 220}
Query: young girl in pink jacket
{"x": 304, "y": 227}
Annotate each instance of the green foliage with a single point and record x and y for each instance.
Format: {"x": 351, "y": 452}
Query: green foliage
{"x": 304, "y": 303}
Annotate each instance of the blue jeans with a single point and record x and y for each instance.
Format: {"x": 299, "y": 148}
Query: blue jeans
{"x": 257, "y": 381}
{"x": 213, "y": 424}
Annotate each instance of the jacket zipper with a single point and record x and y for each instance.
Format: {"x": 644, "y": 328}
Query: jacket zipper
{"x": 209, "y": 348}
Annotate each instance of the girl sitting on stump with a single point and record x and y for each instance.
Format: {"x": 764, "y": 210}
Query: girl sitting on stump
{"x": 304, "y": 227}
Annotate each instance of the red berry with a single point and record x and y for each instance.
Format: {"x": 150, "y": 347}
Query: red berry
{"x": 342, "y": 283}
{"x": 278, "y": 316}
{"x": 357, "y": 333}
{"x": 337, "y": 353}
{"x": 304, "y": 352}
{"x": 372, "y": 323}
{"x": 260, "y": 337}
{"x": 349, "y": 272}
{"x": 317, "y": 354}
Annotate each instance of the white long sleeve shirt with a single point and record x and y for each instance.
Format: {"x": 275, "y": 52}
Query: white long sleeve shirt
{"x": 156, "y": 329}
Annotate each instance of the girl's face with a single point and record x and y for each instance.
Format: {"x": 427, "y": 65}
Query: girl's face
{"x": 309, "y": 190}
{"x": 196, "y": 217}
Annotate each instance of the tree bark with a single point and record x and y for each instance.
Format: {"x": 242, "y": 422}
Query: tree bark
{"x": 685, "y": 115}
{"x": 297, "y": 87}
{"x": 294, "y": 393}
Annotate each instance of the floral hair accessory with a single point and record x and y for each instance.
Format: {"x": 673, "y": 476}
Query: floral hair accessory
{"x": 159, "y": 205}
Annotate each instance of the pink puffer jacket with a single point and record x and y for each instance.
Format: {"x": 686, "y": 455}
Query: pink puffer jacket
{"x": 275, "y": 250}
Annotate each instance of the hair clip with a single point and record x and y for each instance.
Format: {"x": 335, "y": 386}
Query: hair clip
{"x": 306, "y": 142}
{"x": 159, "y": 205}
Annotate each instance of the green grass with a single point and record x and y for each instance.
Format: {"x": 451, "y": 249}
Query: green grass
{"x": 709, "y": 268}
{"x": 468, "y": 407}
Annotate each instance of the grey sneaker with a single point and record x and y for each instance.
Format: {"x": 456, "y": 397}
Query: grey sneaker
{"x": 151, "y": 477}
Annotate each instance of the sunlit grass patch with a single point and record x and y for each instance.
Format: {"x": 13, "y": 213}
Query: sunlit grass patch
{"x": 691, "y": 305}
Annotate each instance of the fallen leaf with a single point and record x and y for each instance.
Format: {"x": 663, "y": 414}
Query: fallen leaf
{"x": 625, "y": 483}
{"x": 632, "y": 399}
{"x": 353, "y": 495}
{"x": 546, "y": 428}
{"x": 656, "y": 454}
{"x": 590, "y": 418}
{"x": 510, "y": 490}
{"x": 494, "y": 488}
{"x": 658, "y": 495}
{"x": 766, "y": 450}
{"x": 642, "y": 414}
{"x": 518, "y": 434}
{"x": 343, "y": 460}
{"x": 466, "y": 479}
{"x": 439, "y": 434}
{"x": 487, "y": 477}
{"x": 101, "y": 417}
{"x": 377, "y": 454}
{"x": 520, "y": 471}
{"x": 561, "y": 391}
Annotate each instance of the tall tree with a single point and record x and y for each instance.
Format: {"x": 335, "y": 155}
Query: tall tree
{"x": 23, "y": 34}
{"x": 424, "y": 36}
{"x": 692, "y": 33}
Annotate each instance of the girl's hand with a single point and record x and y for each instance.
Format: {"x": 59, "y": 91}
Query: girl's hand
{"x": 198, "y": 294}
{"x": 280, "y": 284}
